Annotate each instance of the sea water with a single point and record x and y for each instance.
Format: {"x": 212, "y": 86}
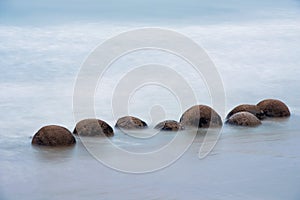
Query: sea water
{"x": 255, "y": 48}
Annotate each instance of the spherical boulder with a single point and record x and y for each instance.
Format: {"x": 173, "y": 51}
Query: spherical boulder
{"x": 201, "y": 116}
{"x": 254, "y": 109}
{"x": 93, "y": 127}
{"x": 169, "y": 125}
{"x": 243, "y": 119}
{"x": 129, "y": 122}
{"x": 274, "y": 108}
{"x": 53, "y": 135}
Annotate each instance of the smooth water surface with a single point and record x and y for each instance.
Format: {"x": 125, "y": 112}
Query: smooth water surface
{"x": 254, "y": 45}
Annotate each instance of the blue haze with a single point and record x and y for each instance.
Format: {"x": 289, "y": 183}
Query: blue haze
{"x": 255, "y": 45}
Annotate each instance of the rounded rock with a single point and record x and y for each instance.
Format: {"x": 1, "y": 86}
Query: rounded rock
{"x": 93, "y": 127}
{"x": 201, "y": 116}
{"x": 169, "y": 125}
{"x": 129, "y": 122}
{"x": 53, "y": 135}
{"x": 243, "y": 119}
{"x": 253, "y": 109}
{"x": 274, "y": 108}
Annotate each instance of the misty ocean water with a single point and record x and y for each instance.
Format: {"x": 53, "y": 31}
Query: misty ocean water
{"x": 255, "y": 47}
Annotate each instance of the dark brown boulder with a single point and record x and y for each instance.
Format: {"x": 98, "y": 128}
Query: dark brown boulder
{"x": 201, "y": 116}
{"x": 243, "y": 119}
{"x": 253, "y": 109}
{"x": 129, "y": 122}
{"x": 93, "y": 127}
{"x": 53, "y": 136}
{"x": 169, "y": 125}
{"x": 274, "y": 108}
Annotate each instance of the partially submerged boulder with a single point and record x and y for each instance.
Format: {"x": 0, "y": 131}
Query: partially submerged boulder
{"x": 169, "y": 125}
{"x": 253, "y": 109}
{"x": 93, "y": 127}
{"x": 274, "y": 108}
{"x": 243, "y": 119}
{"x": 53, "y": 135}
{"x": 201, "y": 116}
{"x": 129, "y": 122}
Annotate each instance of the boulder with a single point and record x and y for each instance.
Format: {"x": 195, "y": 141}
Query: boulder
{"x": 243, "y": 119}
{"x": 201, "y": 116}
{"x": 254, "y": 109}
{"x": 53, "y": 135}
{"x": 274, "y": 108}
{"x": 129, "y": 122}
{"x": 169, "y": 125}
{"x": 93, "y": 127}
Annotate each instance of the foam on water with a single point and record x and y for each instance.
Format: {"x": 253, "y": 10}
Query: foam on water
{"x": 39, "y": 68}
